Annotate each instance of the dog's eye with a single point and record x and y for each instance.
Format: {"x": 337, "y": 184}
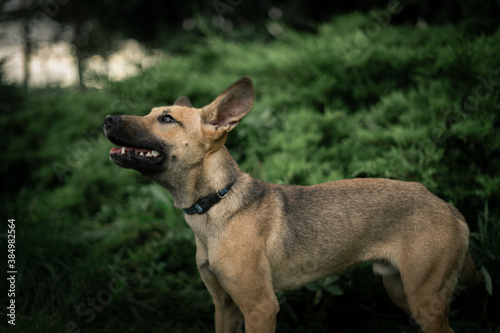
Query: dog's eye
{"x": 167, "y": 119}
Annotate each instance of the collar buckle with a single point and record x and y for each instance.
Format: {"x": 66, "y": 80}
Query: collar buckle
{"x": 204, "y": 204}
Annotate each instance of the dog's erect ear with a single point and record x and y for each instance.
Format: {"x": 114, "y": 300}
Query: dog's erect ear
{"x": 183, "y": 101}
{"x": 226, "y": 111}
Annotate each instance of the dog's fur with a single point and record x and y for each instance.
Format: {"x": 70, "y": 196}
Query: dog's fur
{"x": 263, "y": 237}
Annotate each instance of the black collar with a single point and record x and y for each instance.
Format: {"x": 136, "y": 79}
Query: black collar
{"x": 204, "y": 204}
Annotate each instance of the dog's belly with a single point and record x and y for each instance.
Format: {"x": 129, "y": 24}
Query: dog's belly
{"x": 320, "y": 258}
{"x": 290, "y": 280}
{"x": 296, "y": 272}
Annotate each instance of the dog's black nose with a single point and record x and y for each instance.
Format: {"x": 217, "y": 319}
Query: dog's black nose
{"x": 111, "y": 120}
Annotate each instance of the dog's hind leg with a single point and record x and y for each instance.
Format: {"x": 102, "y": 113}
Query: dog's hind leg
{"x": 429, "y": 304}
{"x": 394, "y": 286}
{"x": 429, "y": 278}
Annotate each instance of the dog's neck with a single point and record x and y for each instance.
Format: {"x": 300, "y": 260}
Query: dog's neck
{"x": 213, "y": 173}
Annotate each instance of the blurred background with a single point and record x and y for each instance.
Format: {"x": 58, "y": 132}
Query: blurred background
{"x": 406, "y": 90}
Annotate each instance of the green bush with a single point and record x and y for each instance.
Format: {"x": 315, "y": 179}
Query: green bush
{"x": 408, "y": 103}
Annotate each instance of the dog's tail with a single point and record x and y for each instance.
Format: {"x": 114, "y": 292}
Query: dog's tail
{"x": 469, "y": 274}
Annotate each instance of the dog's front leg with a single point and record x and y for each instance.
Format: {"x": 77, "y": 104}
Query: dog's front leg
{"x": 228, "y": 317}
{"x": 260, "y": 313}
{"x": 251, "y": 289}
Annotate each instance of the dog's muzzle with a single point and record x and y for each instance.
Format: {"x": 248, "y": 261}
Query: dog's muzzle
{"x": 110, "y": 120}
{"x": 138, "y": 149}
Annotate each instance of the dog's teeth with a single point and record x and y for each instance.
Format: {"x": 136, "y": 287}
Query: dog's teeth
{"x": 154, "y": 153}
{"x": 141, "y": 154}
{"x": 149, "y": 154}
{"x": 123, "y": 151}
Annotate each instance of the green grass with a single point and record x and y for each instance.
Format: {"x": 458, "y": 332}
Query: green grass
{"x": 402, "y": 106}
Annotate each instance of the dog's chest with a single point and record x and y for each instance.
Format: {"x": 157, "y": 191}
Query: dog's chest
{"x": 200, "y": 226}
{"x": 205, "y": 227}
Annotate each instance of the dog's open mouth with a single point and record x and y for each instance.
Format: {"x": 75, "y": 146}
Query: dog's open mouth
{"x": 129, "y": 152}
{"x": 140, "y": 152}
{"x": 141, "y": 159}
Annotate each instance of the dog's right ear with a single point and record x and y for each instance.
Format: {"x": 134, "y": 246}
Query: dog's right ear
{"x": 183, "y": 101}
{"x": 226, "y": 111}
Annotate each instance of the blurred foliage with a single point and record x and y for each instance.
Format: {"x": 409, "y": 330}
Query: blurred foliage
{"x": 95, "y": 27}
{"x": 102, "y": 249}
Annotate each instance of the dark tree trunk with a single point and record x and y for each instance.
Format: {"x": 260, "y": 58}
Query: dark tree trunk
{"x": 28, "y": 49}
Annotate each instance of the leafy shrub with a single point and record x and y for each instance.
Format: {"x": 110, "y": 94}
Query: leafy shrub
{"x": 409, "y": 103}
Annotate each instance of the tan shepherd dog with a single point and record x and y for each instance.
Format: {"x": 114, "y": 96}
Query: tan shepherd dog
{"x": 255, "y": 238}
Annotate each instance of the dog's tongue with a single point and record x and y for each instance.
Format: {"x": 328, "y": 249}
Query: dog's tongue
{"x": 115, "y": 150}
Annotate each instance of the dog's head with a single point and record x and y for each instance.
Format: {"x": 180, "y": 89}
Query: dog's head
{"x": 177, "y": 137}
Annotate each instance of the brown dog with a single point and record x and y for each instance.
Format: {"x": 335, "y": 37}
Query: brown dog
{"x": 255, "y": 238}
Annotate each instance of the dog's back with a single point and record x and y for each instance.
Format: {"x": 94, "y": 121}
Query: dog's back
{"x": 323, "y": 230}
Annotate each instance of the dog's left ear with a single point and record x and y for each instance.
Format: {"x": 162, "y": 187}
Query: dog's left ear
{"x": 183, "y": 101}
{"x": 226, "y": 111}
